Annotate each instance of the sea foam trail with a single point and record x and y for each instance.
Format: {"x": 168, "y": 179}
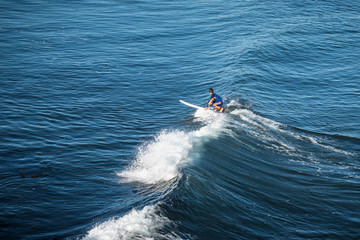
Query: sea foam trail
{"x": 267, "y": 127}
{"x": 263, "y": 129}
{"x": 137, "y": 224}
{"x": 161, "y": 159}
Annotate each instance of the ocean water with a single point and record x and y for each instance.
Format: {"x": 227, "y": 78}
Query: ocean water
{"x": 94, "y": 143}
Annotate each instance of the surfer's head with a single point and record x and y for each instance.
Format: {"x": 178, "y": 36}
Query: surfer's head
{"x": 211, "y": 91}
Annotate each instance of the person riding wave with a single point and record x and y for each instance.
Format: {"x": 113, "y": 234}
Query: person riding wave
{"x": 215, "y": 101}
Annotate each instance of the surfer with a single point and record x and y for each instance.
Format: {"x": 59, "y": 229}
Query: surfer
{"x": 215, "y": 101}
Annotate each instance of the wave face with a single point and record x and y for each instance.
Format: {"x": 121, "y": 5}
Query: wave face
{"x": 95, "y": 144}
{"x": 233, "y": 165}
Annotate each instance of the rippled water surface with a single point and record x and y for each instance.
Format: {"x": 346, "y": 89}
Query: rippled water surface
{"x": 96, "y": 145}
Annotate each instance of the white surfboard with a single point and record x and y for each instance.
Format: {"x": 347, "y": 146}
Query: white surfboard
{"x": 190, "y": 105}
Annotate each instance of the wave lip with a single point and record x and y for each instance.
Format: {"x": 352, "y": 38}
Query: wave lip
{"x": 161, "y": 159}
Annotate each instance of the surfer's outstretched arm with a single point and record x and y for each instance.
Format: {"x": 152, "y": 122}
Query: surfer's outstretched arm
{"x": 209, "y": 104}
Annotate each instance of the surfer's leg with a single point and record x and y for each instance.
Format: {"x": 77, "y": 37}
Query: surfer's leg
{"x": 218, "y": 106}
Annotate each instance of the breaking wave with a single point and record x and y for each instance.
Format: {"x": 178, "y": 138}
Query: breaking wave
{"x": 162, "y": 159}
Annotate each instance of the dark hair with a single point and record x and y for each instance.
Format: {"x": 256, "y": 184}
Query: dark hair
{"x": 211, "y": 90}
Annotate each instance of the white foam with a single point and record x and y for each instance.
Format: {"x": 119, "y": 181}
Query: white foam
{"x": 162, "y": 159}
{"x": 265, "y": 123}
{"x": 137, "y": 224}
{"x": 159, "y": 160}
{"x": 205, "y": 115}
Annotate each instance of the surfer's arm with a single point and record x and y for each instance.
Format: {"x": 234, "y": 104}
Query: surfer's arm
{"x": 209, "y": 103}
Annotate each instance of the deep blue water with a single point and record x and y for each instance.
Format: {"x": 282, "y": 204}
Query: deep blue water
{"x": 96, "y": 145}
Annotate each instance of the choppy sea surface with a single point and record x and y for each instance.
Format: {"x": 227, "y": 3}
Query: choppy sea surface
{"x": 94, "y": 143}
